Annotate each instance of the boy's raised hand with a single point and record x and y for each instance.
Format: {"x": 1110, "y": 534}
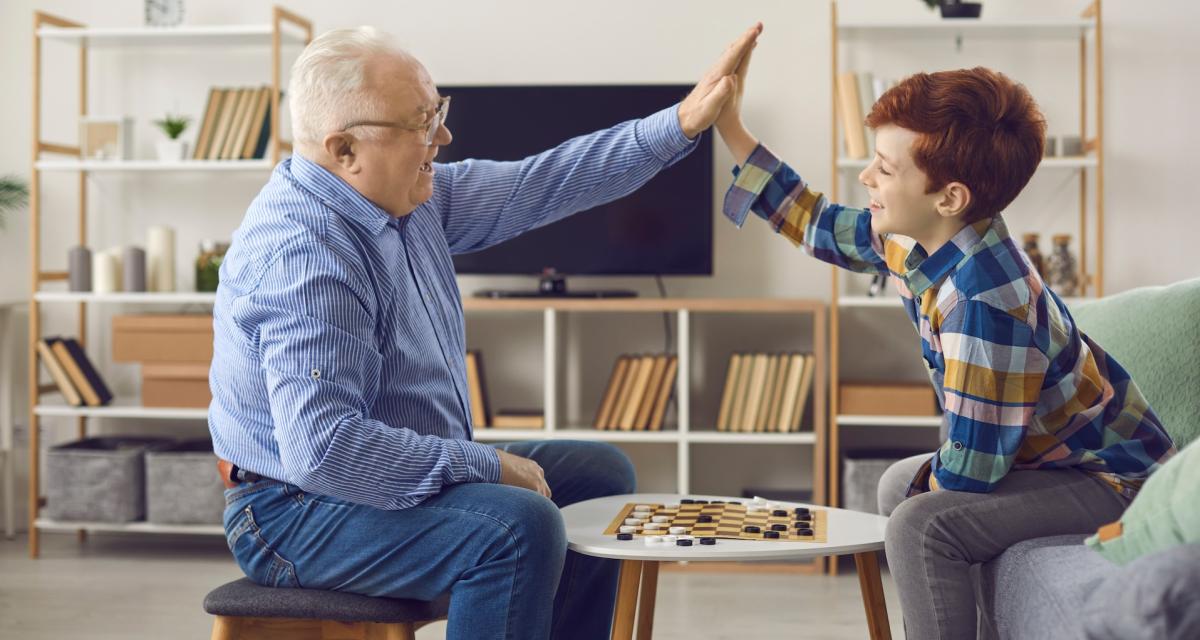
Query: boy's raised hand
{"x": 731, "y": 114}
{"x": 699, "y": 110}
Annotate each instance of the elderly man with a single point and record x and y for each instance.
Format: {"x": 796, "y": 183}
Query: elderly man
{"x": 340, "y": 408}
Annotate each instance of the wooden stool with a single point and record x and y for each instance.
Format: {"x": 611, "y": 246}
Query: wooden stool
{"x": 247, "y": 611}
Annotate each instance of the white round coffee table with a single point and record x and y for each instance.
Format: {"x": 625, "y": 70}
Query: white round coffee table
{"x": 847, "y": 532}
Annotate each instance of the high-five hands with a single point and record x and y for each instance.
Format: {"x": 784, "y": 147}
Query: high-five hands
{"x": 700, "y": 109}
{"x": 522, "y": 472}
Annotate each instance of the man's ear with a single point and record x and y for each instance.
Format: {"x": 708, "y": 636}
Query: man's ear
{"x": 339, "y": 148}
{"x": 954, "y": 199}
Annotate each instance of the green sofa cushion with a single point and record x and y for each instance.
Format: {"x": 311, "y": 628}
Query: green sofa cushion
{"x": 1164, "y": 514}
{"x": 1154, "y": 332}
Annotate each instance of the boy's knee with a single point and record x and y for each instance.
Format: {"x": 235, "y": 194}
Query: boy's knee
{"x": 893, "y": 484}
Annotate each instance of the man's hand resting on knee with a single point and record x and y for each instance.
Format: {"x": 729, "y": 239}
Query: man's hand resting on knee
{"x": 522, "y": 472}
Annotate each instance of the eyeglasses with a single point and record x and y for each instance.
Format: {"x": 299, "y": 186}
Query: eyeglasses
{"x": 431, "y": 129}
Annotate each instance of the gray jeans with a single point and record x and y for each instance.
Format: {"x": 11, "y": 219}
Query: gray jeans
{"x": 933, "y": 539}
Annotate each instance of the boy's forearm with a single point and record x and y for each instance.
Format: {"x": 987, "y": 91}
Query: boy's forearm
{"x": 740, "y": 142}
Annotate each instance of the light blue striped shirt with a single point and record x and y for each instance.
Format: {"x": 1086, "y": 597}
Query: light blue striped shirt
{"x": 338, "y": 356}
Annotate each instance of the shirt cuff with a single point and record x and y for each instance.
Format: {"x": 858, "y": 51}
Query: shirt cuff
{"x": 473, "y": 462}
{"x": 749, "y": 181}
{"x": 662, "y": 134}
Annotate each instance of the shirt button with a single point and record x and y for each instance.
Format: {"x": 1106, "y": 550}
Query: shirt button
{"x": 316, "y": 374}
{"x": 958, "y": 446}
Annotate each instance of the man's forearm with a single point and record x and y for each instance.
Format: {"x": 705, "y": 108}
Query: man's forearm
{"x": 740, "y": 142}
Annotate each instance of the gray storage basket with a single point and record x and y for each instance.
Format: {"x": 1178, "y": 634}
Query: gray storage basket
{"x": 861, "y": 471}
{"x": 182, "y": 485}
{"x": 98, "y": 479}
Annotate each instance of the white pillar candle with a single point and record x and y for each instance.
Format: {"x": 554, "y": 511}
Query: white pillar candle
{"x": 160, "y": 259}
{"x": 106, "y": 273}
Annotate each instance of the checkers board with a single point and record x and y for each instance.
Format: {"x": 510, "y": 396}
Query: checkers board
{"x": 728, "y": 520}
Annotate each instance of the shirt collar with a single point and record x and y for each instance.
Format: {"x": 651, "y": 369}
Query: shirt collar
{"x": 337, "y": 195}
{"x": 924, "y": 271}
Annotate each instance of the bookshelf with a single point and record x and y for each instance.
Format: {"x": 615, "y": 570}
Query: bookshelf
{"x": 261, "y": 41}
{"x": 687, "y": 429}
{"x": 1087, "y": 169}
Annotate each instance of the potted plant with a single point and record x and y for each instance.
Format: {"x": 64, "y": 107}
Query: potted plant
{"x": 173, "y": 148}
{"x": 14, "y": 193}
{"x": 956, "y": 9}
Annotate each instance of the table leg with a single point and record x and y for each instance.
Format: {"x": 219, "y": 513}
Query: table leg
{"x": 645, "y": 617}
{"x": 871, "y": 586}
{"x": 627, "y": 597}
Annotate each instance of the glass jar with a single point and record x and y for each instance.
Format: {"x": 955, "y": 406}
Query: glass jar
{"x": 208, "y": 264}
{"x": 1035, "y": 254}
{"x": 1062, "y": 268}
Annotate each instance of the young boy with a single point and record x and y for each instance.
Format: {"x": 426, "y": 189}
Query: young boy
{"x": 1046, "y": 433}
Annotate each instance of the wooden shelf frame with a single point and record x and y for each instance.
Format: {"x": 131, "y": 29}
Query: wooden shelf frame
{"x": 284, "y": 26}
{"x": 1088, "y": 29}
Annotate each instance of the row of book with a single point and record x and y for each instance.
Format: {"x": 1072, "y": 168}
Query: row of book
{"x": 638, "y": 393}
{"x": 72, "y": 372}
{"x": 856, "y": 93}
{"x": 765, "y": 392}
{"x": 236, "y": 124}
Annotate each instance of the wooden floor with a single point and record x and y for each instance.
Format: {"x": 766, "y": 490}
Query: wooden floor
{"x": 122, "y": 587}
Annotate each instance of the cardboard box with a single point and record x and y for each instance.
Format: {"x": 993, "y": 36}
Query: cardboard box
{"x": 162, "y": 338}
{"x": 887, "y": 399}
{"x": 180, "y": 384}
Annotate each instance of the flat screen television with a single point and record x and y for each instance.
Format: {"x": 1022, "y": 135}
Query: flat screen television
{"x": 663, "y": 228}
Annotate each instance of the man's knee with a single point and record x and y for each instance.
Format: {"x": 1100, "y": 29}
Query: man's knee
{"x": 893, "y": 484}
{"x": 536, "y": 524}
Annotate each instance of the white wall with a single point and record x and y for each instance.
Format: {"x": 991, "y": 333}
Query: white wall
{"x": 1151, "y": 51}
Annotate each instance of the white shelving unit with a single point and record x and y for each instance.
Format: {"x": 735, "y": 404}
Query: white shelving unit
{"x": 848, "y": 35}
{"x": 687, "y": 431}
{"x": 284, "y": 29}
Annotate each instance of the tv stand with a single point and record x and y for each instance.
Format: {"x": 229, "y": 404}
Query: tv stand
{"x": 554, "y": 285}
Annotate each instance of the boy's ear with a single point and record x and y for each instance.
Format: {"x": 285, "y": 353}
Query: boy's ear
{"x": 954, "y": 199}
{"x": 339, "y": 148}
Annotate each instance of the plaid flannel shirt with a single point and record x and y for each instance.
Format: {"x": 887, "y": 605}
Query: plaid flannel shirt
{"x": 1021, "y": 387}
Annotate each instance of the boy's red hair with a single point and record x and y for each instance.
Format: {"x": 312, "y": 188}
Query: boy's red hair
{"x": 974, "y": 126}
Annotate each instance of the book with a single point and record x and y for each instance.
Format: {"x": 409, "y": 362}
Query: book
{"x": 258, "y": 121}
{"x": 264, "y": 135}
{"x": 772, "y": 420}
{"x": 802, "y": 397}
{"x": 57, "y": 373}
{"x": 739, "y": 392}
{"x": 791, "y": 391}
{"x": 665, "y": 391}
{"x": 518, "y": 419}
{"x": 637, "y": 393}
{"x": 239, "y": 115}
{"x": 866, "y": 100}
{"x": 228, "y": 104}
{"x": 83, "y": 375}
{"x": 614, "y": 419}
{"x": 208, "y": 123}
{"x": 605, "y": 411}
{"x": 754, "y": 392}
{"x": 731, "y": 373}
{"x": 850, "y": 111}
{"x": 477, "y": 389}
{"x": 764, "y": 403}
{"x": 642, "y": 420}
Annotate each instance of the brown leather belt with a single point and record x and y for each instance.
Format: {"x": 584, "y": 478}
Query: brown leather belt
{"x": 232, "y": 475}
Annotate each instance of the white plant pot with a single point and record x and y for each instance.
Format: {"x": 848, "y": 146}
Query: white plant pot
{"x": 172, "y": 150}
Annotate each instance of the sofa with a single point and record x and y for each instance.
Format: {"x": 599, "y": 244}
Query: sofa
{"x": 1058, "y": 587}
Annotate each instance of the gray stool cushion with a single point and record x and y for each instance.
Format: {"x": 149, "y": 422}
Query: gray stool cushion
{"x": 245, "y": 599}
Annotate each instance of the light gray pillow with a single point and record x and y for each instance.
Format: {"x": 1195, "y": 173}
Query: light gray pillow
{"x": 1152, "y": 598}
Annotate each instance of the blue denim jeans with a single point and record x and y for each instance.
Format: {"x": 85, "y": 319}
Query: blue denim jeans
{"x": 500, "y": 551}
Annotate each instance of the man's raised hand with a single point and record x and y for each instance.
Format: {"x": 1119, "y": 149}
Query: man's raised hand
{"x": 699, "y": 110}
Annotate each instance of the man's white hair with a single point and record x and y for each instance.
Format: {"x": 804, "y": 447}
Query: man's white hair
{"x": 326, "y": 89}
